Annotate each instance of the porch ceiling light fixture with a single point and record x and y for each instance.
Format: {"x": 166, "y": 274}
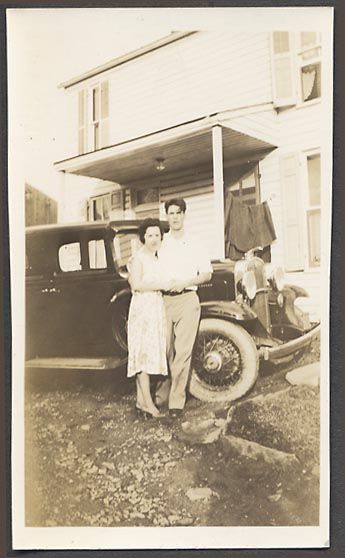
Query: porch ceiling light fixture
{"x": 160, "y": 166}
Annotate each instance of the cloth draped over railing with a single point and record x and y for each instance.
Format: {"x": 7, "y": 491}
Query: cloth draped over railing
{"x": 246, "y": 227}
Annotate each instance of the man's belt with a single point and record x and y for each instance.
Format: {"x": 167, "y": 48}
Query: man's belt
{"x": 172, "y": 293}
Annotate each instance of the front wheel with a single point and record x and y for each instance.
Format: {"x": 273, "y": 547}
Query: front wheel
{"x": 225, "y": 361}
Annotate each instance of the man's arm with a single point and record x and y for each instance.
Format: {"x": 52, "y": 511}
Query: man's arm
{"x": 198, "y": 279}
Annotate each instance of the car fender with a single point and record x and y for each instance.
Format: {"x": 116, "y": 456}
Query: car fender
{"x": 227, "y": 310}
{"x": 296, "y": 290}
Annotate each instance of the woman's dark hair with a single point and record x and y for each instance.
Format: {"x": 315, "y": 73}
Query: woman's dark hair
{"x": 176, "y": 201}
{"x": 149, "y": 222}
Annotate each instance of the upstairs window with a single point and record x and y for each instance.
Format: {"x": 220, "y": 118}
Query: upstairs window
{"x": 283, "y": 69}
{"x": 93, "y": 121}
{"x": 309, "y": 58}
{"x": 296, "y": 67}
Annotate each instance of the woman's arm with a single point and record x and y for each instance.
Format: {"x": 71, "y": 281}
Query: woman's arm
{"x": 138, "y": 284}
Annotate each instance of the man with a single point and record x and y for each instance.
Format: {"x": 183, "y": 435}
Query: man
{"x": 185, "y": 262}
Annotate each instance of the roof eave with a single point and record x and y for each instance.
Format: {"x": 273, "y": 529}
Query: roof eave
{"x": 174, "y": 36}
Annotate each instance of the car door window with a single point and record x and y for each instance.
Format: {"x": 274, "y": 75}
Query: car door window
{"x": 97, "y": 254}
{"x": 70, "y": 257}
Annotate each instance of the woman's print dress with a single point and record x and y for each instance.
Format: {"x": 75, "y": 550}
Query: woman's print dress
{"x": 146, "y": 324}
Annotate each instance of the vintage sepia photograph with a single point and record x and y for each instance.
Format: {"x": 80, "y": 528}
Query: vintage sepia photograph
{"x": 170, "y": 186}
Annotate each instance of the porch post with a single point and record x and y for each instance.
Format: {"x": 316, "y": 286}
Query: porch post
{"x": 218, "y": 187}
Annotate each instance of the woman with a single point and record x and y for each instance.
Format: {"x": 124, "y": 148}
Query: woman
{"x": 146, "y": 319}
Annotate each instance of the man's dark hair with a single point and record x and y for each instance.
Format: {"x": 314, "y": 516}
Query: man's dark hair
{"x": 150, "y": 222}
{"x": 176, "y": 201}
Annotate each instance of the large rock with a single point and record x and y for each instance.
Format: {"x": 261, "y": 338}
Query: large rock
{"x": 308, "y": 375}
{"x": 201, "y": 431}
{"x": 251, "y": 450}
{"x": 286, "y": 421}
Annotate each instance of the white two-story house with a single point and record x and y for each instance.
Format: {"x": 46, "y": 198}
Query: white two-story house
{"x": 201, "y": 115}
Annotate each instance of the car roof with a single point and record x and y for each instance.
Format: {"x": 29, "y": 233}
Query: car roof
{"x": 85, "y": 226}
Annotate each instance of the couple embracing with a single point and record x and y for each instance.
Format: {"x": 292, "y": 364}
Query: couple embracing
{"x": 164, "y": 312}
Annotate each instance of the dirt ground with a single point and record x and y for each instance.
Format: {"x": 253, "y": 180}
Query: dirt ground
{"x": 90, "y": 461}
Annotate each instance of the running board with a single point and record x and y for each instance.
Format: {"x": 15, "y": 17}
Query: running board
{"x": 75, "y": 363}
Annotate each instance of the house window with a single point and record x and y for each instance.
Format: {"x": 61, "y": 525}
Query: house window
{"x": 100, "y": 208}
{"x": 314, "y": 210}
{"x": 243, "y": 182}
{"x": 147, "y": 196}
{"x": 145, "y": 201}
{"x": 296, "y": 65}
{"x": 117, "y": 200}
{"x": 93, "y": 119}
{"x": 106, "y": 206}
{"x": 283, "y": 69}
{"x": 310, "y": 66}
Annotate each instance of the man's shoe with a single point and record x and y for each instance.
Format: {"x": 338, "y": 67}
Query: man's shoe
{"x": 175, "y": 413}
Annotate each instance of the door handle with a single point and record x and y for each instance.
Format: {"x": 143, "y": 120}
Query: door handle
{"x": 50, "y": 290}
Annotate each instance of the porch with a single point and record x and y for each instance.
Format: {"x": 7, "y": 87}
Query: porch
{"x": 197, "y": 160}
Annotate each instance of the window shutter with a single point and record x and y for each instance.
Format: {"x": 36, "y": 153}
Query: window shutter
{"x": 284, "y": 89}
{"x": 291, "y": 207}
{"x": 104, "y": 121}
{"x": 82, "y": 122}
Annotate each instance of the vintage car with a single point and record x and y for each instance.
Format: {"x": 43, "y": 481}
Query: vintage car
{"x": 77, "y": 300}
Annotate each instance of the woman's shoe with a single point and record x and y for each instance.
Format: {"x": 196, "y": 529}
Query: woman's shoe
{"x": 143, "y": 413}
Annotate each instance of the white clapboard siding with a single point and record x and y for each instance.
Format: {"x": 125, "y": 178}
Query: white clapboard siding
{"x": 145, "y": 212}
{"x": 193, "y": 77}
{"x": 300, "y": 128}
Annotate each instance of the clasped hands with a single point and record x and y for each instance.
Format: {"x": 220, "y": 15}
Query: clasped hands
{"x": 176, "y": 286}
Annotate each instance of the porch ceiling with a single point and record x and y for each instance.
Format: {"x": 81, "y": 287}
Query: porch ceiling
{"x": 132, "y": 163}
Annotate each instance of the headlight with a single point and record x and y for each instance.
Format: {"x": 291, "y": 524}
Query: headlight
{"x": 277, "y": 278}
{"x": 249, "y": 284}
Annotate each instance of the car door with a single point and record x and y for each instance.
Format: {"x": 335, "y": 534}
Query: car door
{"x": 40, "y": 295}
{"x": 85, "y": 285}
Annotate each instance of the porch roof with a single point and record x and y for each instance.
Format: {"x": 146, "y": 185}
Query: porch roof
{"x": 185, "y": 146}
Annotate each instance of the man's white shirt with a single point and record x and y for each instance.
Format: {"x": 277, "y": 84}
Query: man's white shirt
{"x": 183, "y": 258}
